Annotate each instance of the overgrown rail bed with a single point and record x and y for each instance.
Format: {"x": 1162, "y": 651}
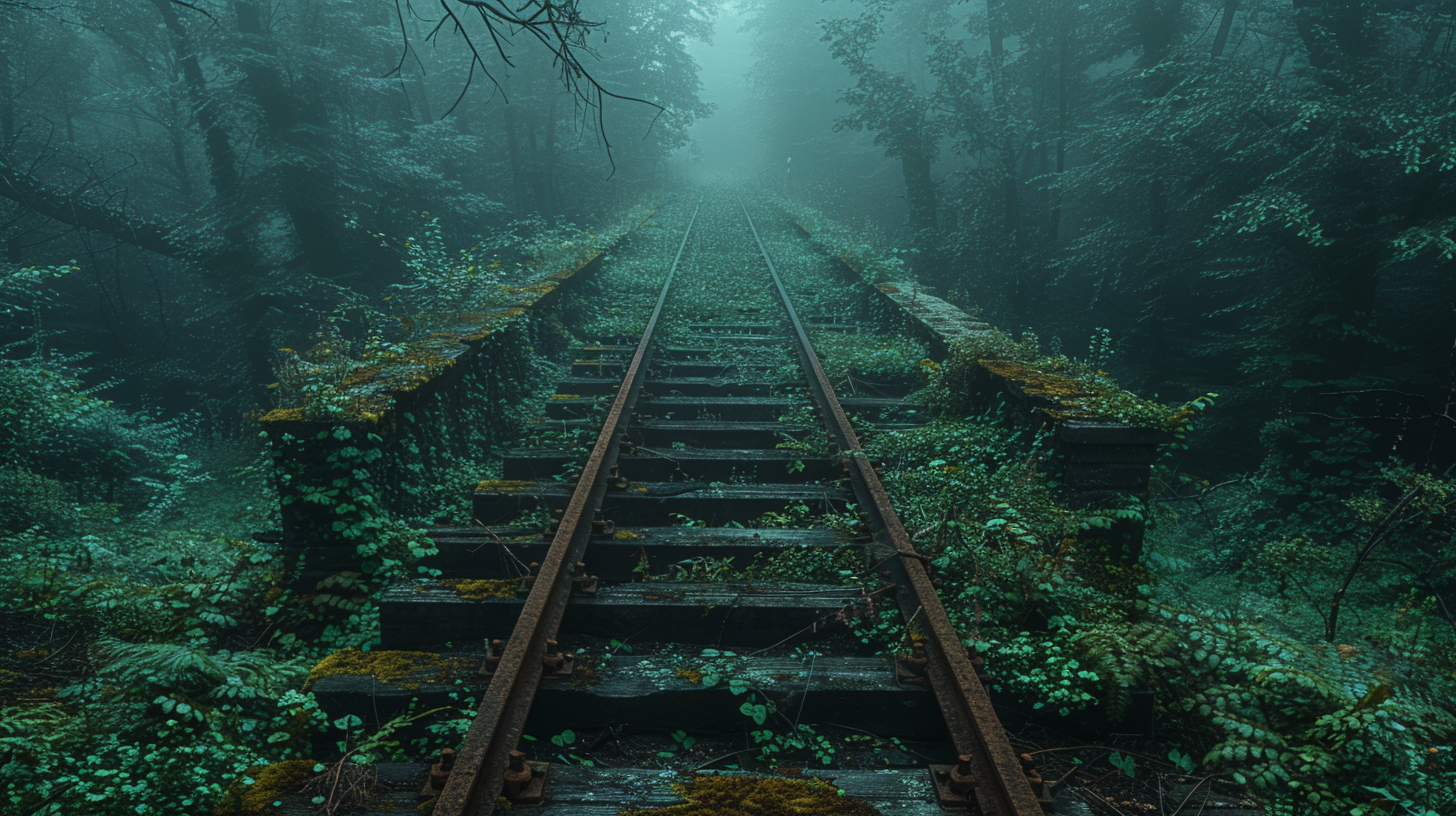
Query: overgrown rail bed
{"x": 724, "y": 587}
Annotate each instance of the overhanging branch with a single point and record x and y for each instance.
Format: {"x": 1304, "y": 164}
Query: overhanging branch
{"x": 20, "y": 186}
{"x": 558, "y": 26}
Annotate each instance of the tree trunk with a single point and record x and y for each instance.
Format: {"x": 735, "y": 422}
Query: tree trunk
{"x": 920, "y": 195}
{"x": 7, "y": 93}
{"x": 1156, "y": 23}
{"x": 1346, "y": 271}
{"x": 222, "y": 162}
{"x": 292, "y": 131}
{"x": 1220, "y": 40}
{"x": 1331, "y": 346}
{"x": 1064, "y": 81}
{"x": 7, "y": 118}
{"x": 553, "y": 194}
{"x": 920, "y": 199}
{"x": 1010, "y": 195}
{"x": 179, "y": 151}
{"x": 420, "y": 95}
{"x": 1437, "y": 27}
{"x": 1333, "y": 33}
{"x": 513, "y": 149}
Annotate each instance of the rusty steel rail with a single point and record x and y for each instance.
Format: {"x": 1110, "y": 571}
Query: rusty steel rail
{"x": 1001, "y": 784}
{"x": 480, "y": 768}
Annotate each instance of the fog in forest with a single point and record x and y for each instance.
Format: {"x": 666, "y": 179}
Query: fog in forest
{"x": 1141, "y": 309}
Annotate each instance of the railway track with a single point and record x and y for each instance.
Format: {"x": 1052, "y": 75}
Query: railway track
{"x": 738, "y": 643}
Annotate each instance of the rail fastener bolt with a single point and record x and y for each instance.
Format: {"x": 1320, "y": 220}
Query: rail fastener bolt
{"x": 494, "y": 649}
{"x": 962, "y": 781}
{"x": 556, "y": 664}
{"x": 440, "y": 771}
{"x": 525, "y": 781}
{"x": 581, "y": 583}
{"x": 1040, "y": 787}
{"x": 911, "y": 669}
{"x": 529, "y": 580}
{"x": 954, "y": 785}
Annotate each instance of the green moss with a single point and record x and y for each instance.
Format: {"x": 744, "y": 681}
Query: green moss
{"x": 504, "y": 486}
{"x": 335, "y": 381}
{"x": 408, "y": 670}
{"x": 481, "y": 588}
{"x": 270, "y": 784}
{"x": 1068, "y": 389}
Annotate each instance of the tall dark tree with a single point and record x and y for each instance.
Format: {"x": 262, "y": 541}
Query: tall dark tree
{"x": 903, "y": 117}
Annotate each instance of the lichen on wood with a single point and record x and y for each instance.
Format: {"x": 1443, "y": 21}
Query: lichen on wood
{"x": 761, "y": 796}
{"x": 408, "y": 670}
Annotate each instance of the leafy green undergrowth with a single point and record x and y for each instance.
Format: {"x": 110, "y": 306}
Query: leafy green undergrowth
{"x": 140, "y": 668}
{"x": 860, "y": 247}
{"x": 1352, "y": 714}
{"x": 140, "y": 671}
{"x": 1224, "y": 621}
{"x": 868, "y": 361}
{"x": 1006, "y": 553}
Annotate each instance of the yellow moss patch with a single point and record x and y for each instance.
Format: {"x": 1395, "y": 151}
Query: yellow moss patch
{"x": 565, "y": 396}
{"x": 760, "y": 796}
{"x": 624, "y": 535}
{"x": 1036, "y": 382}
{"x": 482, "y": 588}
{"x": 361, "y": 375}
{"x": 589, "y": 670}
{"x": 404, "y": 669}
{"x": 283, "y": 415}
{"x": 270, "y": 784}
{"x": 503, "y": 486}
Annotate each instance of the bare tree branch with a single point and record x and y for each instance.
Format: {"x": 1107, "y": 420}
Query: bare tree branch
{"x": 558, "y": 26}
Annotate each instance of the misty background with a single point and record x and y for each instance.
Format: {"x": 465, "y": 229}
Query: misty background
{"x": 1245, "y": 198}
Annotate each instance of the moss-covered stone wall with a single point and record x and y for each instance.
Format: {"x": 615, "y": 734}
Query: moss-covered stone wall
{"x": 1105, "y": 439}
{"x": 392, "y": 442}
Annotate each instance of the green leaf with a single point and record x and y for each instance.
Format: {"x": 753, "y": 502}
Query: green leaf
{"x": 566, "y": 737}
